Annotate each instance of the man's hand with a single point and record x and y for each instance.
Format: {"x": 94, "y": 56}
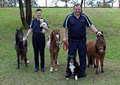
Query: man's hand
{"x": 64, "y": 39}
{"x": 24, "y": 38}
{"x": 99, "y": 33}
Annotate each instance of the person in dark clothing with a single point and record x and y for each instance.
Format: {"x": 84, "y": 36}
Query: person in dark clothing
{"x": 76, "y": 24}
{"x": 38, "y": 39}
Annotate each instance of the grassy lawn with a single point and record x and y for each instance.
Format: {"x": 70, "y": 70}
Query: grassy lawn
{"x": 106, "y": 20}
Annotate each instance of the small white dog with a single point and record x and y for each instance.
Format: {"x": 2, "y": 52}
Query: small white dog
{"x": 44, "y": 25}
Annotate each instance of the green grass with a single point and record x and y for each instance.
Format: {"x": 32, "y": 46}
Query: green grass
{"x": 107, "y": 20}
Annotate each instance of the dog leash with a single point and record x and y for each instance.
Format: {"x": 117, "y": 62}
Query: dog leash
{"x": 65, "y": 45}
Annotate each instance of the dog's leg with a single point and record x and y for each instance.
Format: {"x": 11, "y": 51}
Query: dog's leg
{"x": 76, "y": 70}
{"x": 18, "y": 61}
{"x": 67, "y": 78}
{"x": 97, "y": 65}
{"x": 56, "y": 61}
{"x": 94, "y": 62}
{"x": 51, "y": 67}
{"x": 76, "y": 77}
{"x": 88, "y": 60}
{"x": 25, "y": 59}
{"x": 102, "y": 71}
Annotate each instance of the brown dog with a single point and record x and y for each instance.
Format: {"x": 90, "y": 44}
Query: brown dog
{"x": 53, "y": 45}
{"x": 96, "y": 52}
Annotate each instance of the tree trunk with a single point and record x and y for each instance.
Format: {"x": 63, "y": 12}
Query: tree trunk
{"x": 22, "y": 14}
{"x": 81, "y": 3}
{"x": 46, "y": 2}
{"x": 28, "y": 11}
{"x": 104, "y": 3}
{"x": 3, "y": 3}
{"x": 112, "y": 4}
{"x": 66, "y": 4}
{"x": 84, "y": 3}
{"x": 119, "y": 3}
{"x": 15, "y": 3}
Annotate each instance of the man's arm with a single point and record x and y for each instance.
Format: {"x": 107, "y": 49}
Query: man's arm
{"x": 93, "y": 28}
{"x": 28, "y": 33}
{"x": 64, "y": 34}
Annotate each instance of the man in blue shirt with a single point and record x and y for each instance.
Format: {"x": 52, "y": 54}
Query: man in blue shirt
{"x": 76, "y": 24}
{"x": 38, "y": 40}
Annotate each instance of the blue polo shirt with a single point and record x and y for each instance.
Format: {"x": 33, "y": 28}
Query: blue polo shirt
{"x": 76, "y": 27}
{"x": 35, "y": 25}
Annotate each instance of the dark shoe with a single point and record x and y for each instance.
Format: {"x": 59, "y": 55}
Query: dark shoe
{"x": 36, "y": 69}
{"x": 84, "y": 75}
{"x": 42, "y": 70}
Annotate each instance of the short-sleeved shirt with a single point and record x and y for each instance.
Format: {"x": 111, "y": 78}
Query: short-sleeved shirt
{"x": 76, "y": 27}
{"x": 35, "y": 25}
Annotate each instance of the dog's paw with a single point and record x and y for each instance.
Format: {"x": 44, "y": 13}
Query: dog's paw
{"x": 56, "y": 69}
{"x": 58, "y": 62}
{"x": 67, "y": 78}
{"x": 27, "y": 61}
{"x": 40, "y": 25}
{"x": 76, "y": 77}
{"x": 51, "y": 69}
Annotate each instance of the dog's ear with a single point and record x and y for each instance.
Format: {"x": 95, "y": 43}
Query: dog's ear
{"x": 20, "y": 28}
{"x": 16, "y": 29}
{"x": 100, "y": 35}
{"x": 102, "y": 32}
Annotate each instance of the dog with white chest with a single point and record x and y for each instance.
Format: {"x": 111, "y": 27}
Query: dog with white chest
{"x": 74, "y": 68}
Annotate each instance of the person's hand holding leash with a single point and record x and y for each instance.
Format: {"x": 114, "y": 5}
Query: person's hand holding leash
{"x": 25, "y": 38}
{"x": 65, "y": 44}
{"x": 99, "y": 33}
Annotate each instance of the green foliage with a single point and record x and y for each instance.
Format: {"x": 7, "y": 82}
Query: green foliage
{"x": 99, "y": 3}
{"x": 106, "y": 20}
{"x": 33, "y": 3}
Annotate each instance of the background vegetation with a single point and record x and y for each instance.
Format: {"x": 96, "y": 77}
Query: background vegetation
{"x": 106, "y": 20}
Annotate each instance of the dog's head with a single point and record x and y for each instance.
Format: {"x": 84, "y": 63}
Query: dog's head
{"x": 71, "y": 59}
{"x": 41, "y": 20}
{"x": 100, "y": 35}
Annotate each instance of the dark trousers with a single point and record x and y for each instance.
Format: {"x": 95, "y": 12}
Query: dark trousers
{"x": 38, "y": 40}
{"x": 80, "y": 45}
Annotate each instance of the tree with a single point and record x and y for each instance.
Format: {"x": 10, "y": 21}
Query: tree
{"x": 66, "y": 1}
{"x": 46, "y": 2}
{"x": 25, "y": 20}
{"x": 73, "y": 2}
{"x": 90, "y": 2}
{"x": 119, "y": 3}
{"x": 99, "y": 3}
{"x": 84, "y": 3}
{"x": 111, "y": 1}
{"x": 55, "y": 2}
{"x": 28, "y": 11}
{"x": 81, "y": 3}
{"x": 22, "y": 13}
{"x": 104, "y": 3}
{"x": 2, "y": 3}
{"x": 11, "y": 3}
{"x": 33, "y": 3}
